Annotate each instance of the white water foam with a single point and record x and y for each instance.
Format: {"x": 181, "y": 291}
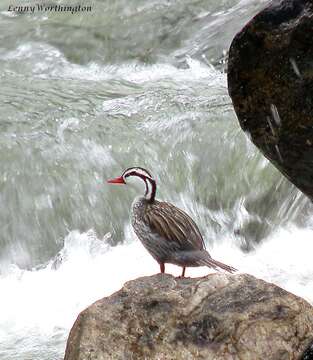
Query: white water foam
{"x": 53, "y": 64}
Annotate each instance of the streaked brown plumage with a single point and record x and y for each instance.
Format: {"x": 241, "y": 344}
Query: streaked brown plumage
{"x": 167, "y": 232}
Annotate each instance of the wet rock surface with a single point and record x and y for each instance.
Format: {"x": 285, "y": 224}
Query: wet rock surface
{"x": 308, "y": 353}
{"x": 217, "y": 317}
{"x": 270, "y": 81}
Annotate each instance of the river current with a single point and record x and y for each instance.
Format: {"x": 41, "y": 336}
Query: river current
{"x": 86, "y": 95}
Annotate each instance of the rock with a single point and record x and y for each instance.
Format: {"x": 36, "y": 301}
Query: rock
{"x": 308, "y": 353}
{"x": 270, "y": 81}
{"x": 220, "y": 317}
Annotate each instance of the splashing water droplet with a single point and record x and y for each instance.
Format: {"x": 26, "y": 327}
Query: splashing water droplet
{"x": 295, "y": 67}
{"x": 275, "y": 115}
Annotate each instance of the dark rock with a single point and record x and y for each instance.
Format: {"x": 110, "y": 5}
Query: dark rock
{"x": 270, "y": 80}
{"x": 220, "y": 317}
{"x": 308, "y": 353}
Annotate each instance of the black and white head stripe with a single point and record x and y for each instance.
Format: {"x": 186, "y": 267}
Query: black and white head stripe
{"x": 137, "y": 171}
{"x": 144, "y": 175}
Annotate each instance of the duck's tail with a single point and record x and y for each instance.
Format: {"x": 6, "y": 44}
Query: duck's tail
{"x": 210, "y": 262}
{"x": 199, "y": 258}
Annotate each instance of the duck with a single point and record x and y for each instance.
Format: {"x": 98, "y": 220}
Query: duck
{"x": 168, "y": 233}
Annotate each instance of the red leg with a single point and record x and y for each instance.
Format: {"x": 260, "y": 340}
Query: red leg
{"x": 183, "y": 273}
{"x": 162, "y": 268}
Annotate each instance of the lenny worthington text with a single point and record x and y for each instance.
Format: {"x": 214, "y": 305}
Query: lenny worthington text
{"x": 49, "y": 8}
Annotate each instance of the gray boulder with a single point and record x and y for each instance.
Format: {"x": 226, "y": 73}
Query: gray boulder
{"x": 220, "y": 317}
{"x": 270, "y": 81}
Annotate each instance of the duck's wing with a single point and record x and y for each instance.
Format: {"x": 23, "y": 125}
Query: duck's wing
{"x": 174, "y": 225}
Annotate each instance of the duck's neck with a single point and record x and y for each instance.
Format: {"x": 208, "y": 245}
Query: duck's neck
{"x": 150, "y": 189}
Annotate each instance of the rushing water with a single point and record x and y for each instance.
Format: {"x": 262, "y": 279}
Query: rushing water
{"x": 84, "y": 96}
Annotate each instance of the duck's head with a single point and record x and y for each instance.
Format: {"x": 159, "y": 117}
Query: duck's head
{"x": 135, "y": 175}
